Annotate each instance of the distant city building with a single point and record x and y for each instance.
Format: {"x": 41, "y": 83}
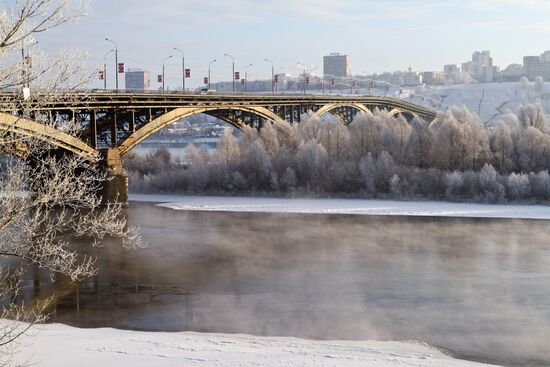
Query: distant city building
{"x": 534, "y": 66}
{"x": 411, "y": 78}
{"x": 511, "y": 73}
{"x": 336, "y": 65}
{"x": 137, "y": 79}
{"x": 433, "y": 77}
{"x": 481, "y": 67}
{"x": 450, "y": 69}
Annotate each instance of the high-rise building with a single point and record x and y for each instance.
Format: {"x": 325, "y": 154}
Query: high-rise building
{"x": 450, "y": 69}
{"x": 336, "y": 65}
{"x": 480, "y": 67}
{"x": 137, "y": 79}
{"x": 534, "y": 66}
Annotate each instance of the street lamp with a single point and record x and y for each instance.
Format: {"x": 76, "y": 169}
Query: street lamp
{"x": 209, "y": 80}
{"x": 304, "y": 86}
{"x": 116, "y": 61}
{"x": 272, "y": 76}
{"x": 233, "y": 75}
{"x": 163, "y": 66}
{"x": 278, "y": 72}
{"x": 182, "y": 68}
{"x": 246, "y": 76}
{"x": 26, "y": 63}
{"x": 105, "y": 68}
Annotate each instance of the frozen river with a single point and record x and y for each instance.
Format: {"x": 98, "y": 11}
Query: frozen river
{"x": 476, "y": 287}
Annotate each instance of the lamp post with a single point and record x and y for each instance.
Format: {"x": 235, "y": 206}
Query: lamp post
{"x": 182, "y": 68}
{"x": 246, "y": 76}
{"x": 304, "y": 86}
{"x": 163, "y": 67}
{"x": 233, "y": 73}
{"x": 105, "y": 68}
{"x": 272, "y": 75}
{"x": 26, "y": 63}
{"x": 209, "y": 79}
{"x": 278, "y": 73}
{"x": 116, "y": 61}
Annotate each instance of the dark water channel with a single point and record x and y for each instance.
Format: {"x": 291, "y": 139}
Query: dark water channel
{"x": 478, "y": 288}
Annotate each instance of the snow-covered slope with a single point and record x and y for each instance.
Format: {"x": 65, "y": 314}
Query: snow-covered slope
{"x": 491, "y": 100}
{"x": 59, "y": 346}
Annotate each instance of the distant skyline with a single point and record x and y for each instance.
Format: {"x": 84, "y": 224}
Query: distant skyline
{"x": 379, "y": 35}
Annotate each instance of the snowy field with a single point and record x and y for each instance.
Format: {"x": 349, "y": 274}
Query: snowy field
{"x": 345, "y": 206}
{"x": 58, "y": 345}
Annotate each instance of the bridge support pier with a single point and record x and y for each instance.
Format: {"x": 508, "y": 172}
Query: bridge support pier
{"x": 115, "y": 189}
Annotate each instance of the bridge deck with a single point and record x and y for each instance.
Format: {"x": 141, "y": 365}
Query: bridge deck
{"x": 124, "y": 100}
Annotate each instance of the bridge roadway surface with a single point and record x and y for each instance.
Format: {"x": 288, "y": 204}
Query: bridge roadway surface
{"x": 101, "y": 100}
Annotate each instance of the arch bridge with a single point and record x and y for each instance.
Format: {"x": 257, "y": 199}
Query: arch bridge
{"x": 114, "y": 123}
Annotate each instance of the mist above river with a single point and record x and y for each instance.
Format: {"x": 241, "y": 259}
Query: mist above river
{"x": 477, "y": 287}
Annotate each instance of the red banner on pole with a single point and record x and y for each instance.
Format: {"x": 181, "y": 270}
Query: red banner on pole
{"x": 100, "y": 75}
{"x": 159, "y": 78}
{"x": 237, "y": 75}
{"x": 276, "y": 78}
{"x": 120, "y": 67}
{"x": 205, "y": 80}
{"x": 307, "y": 79}
{"x": 188, "y": 73}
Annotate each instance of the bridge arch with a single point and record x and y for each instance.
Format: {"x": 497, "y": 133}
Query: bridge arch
{"x": 179, "y": 113}
{"x": 336, "y": 107}
{"x": 408, "y": 115}
{"x": 28, "y": 128}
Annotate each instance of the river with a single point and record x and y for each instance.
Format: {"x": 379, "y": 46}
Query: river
{"x": 478, "y": 288}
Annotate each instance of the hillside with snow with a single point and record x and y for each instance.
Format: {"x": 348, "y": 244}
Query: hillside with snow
{"x": 489, "y": 100}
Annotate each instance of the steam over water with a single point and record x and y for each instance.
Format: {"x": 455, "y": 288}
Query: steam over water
{"x": 478, "y": 288}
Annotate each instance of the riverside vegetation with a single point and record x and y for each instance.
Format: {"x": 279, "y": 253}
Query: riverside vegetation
{"x": 455, "y": 157}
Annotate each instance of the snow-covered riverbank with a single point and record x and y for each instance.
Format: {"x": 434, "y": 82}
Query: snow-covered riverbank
{"x": 59, "y": 345}
{"x": 345, "y": 206}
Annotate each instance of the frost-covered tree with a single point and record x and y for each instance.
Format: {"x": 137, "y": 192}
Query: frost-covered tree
{"x": 310, "y": 127}
{"x": 269, "y": 137}
{"x": 518, "y": 186}
{"x": 454, "y": 182}
{"x": 312, "y": 162}
{"x": 334, "y": 136}
{"x": 420, "y": 144}
{"x": 531, "y": 148}
{"x": 502, "y": 147}
{"x": 365, "y": 132}
{"x": 491, "y": 189}
{"x": 45, "y": 199}
{"x": 539, "y": 84}
{"x": 228, "y": 148}
{"x": 533, "y": 115}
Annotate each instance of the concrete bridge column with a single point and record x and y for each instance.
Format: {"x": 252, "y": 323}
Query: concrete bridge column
{"x": 115, "y": 189}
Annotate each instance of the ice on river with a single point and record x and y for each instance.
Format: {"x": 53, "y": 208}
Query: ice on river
{"x": 346, "y": 206}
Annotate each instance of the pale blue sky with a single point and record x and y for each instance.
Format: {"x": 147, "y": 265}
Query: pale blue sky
{"x": 378, "y": 35}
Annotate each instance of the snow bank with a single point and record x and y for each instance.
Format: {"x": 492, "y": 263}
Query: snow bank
{"x": 58, "y": 345}
{"x": 345, "y": 206}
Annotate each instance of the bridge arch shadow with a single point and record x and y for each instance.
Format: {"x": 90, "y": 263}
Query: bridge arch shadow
{"x": 232, "y": 115}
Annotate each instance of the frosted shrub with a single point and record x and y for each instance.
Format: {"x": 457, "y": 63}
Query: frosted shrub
{"x": 454, "y": 181}
{"x": 518, "y": 186}
{"x": 491, "y": 189}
